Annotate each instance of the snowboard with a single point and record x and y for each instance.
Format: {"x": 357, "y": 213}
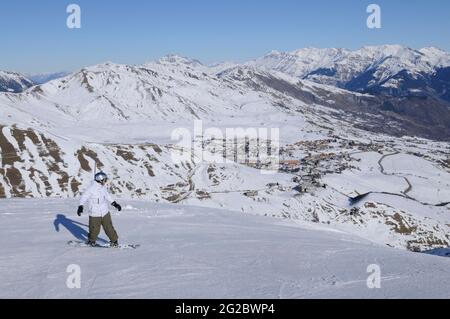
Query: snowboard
{"x": 82, "y": 244}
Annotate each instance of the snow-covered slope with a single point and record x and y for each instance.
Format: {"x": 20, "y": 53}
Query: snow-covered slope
{"x": 193, "y": 252}
{"x": 167, "y": 90}
{"x": 163, "y": 92}
{"x": 13, "y": 82}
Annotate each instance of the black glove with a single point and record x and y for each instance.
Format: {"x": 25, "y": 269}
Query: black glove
{"x": 117, "y": 206}
{"x": 80, "y": 210}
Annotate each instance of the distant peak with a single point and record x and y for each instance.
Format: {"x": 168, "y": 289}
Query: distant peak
{"x": 106, "y": 64}
{"x": 386, "y": 48}
{"x": 433, "y": 49}
{"x": 11, "y": 73}
{"x": 323, "y": 51}
{"x": 274, "y": 53}
{"x": 306, "y": 51}
{"x": 46, "y": 77}
{"x": 178, "y": 59}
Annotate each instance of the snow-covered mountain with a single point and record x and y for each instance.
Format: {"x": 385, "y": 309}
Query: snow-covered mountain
{"x": 168, "y": 90}
{"x": 14, "y": 82}
{"x": 301, "y": 62}
{"x": 388, "y": 69}
{"x": 174, "y": 59}
{"x": 176, "y": 87}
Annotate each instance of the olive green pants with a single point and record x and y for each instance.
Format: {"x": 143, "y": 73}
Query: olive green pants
{"x": 95, "y": 223}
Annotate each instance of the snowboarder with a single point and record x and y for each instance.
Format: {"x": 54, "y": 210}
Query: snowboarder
{"x": 98, "y": 199}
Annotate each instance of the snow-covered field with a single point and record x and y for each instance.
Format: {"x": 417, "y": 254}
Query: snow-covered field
{"x": 193, "y": 252}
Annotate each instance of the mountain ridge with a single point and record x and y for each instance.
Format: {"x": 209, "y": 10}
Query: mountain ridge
{"x": 388, "y": 69}
{"x": 14, "y": 82}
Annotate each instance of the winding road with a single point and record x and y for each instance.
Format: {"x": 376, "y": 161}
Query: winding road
{"x": 382, "y": 170}
{"x": 408, "y": 189}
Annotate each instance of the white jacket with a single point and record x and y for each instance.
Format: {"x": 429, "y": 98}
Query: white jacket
{"x": 97, "y": 199}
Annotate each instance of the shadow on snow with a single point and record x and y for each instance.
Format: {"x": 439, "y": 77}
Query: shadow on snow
{"x": 74, "y": 227}
{"x": 442, "y": 252}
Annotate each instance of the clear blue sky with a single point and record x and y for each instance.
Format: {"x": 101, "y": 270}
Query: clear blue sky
{"x": 35, "y": 37}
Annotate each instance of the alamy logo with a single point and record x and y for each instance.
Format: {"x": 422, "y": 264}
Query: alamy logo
{"x": 374, "y": 19}
{"x": 374, "y": 279}
{"x": 255, "y": 147}
{"x": 74, "y": 18}
{"x": 74, "y": 279}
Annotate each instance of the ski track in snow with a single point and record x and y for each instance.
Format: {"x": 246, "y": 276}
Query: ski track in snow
{"x": 193, "y": 252}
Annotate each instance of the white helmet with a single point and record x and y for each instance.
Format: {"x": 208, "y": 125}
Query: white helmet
{"x": 100, "y": 177}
